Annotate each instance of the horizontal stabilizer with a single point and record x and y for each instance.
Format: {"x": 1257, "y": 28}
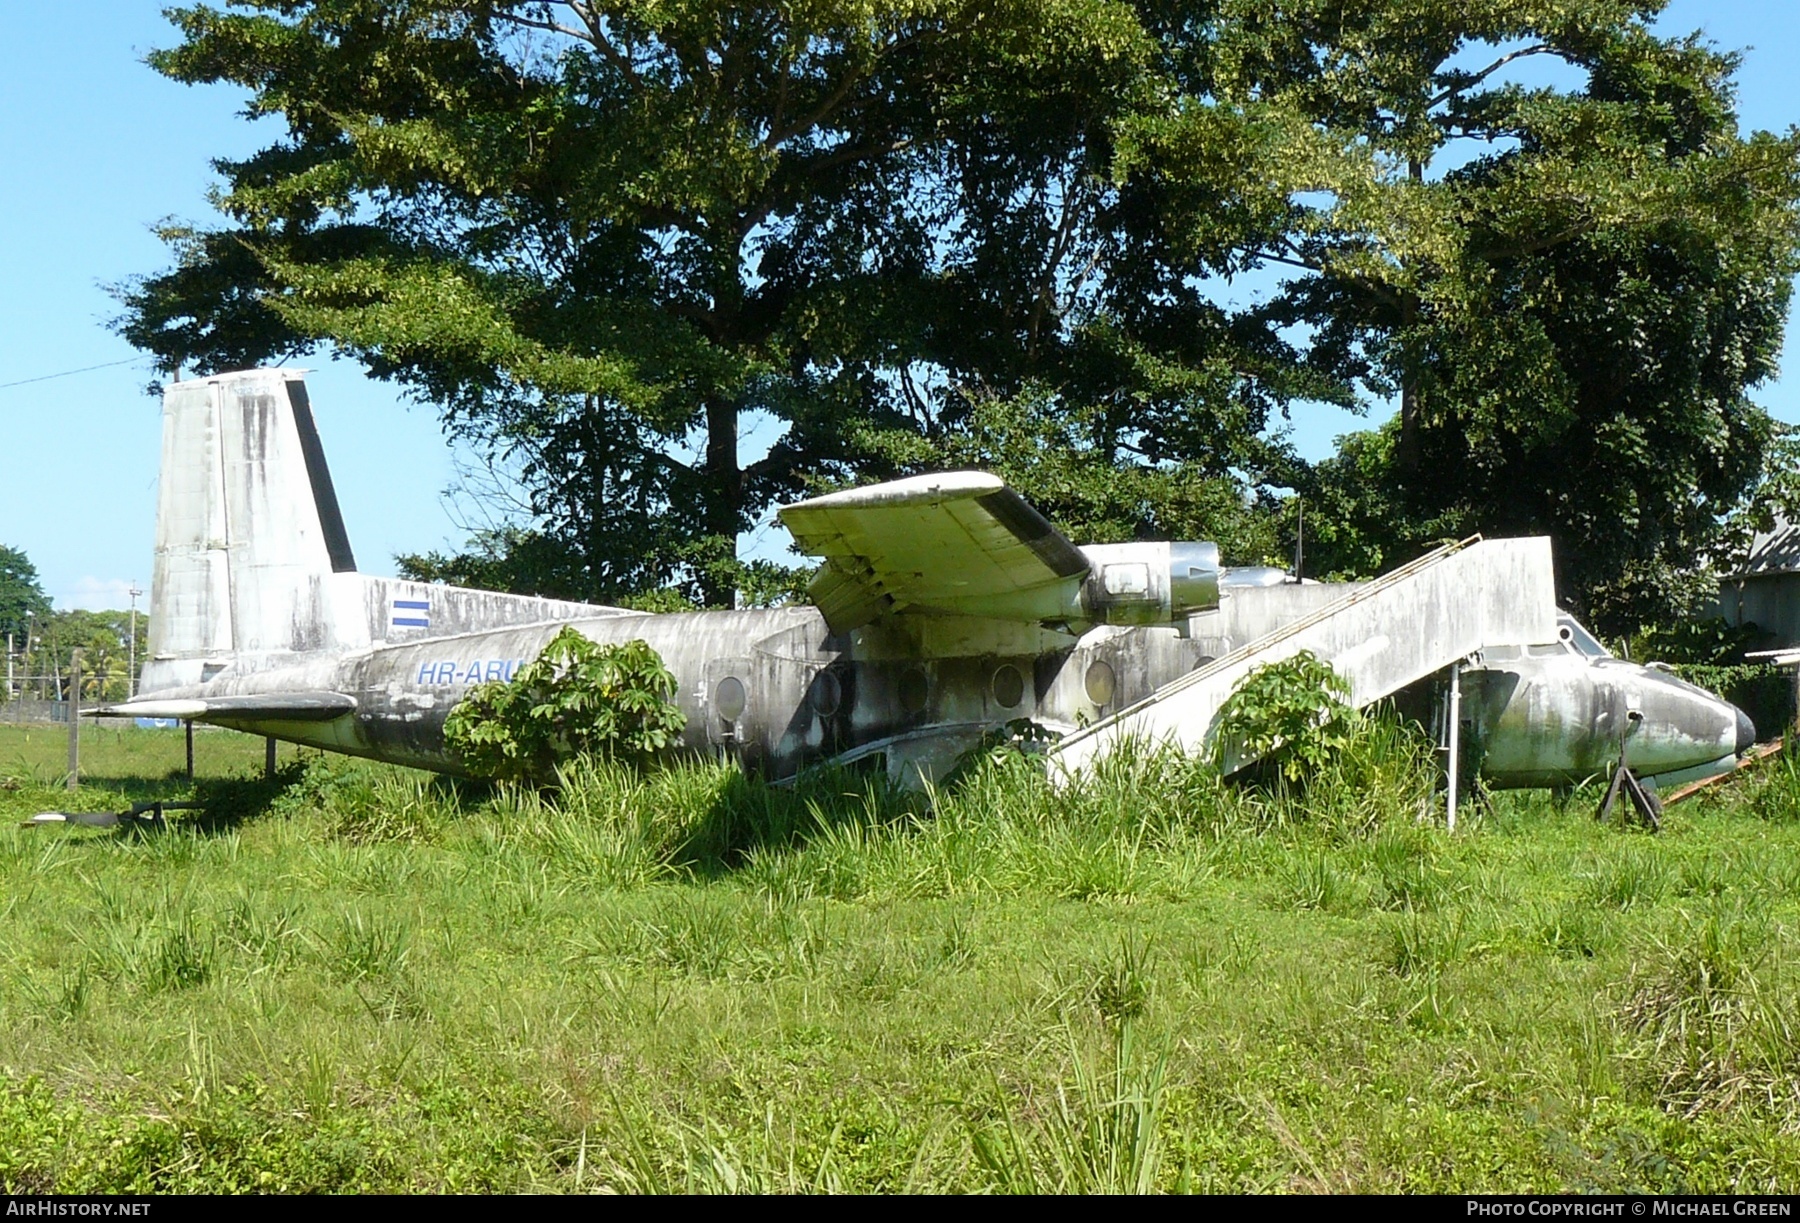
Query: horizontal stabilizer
{"x": 272, "y": 707}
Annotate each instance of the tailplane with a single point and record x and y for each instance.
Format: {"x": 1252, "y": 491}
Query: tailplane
{"x": 253, "y": 564}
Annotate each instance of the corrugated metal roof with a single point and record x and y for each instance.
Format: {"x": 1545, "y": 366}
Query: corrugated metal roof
{"x": 1776, "y": 551}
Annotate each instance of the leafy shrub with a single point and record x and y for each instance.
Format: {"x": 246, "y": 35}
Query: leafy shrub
{"x": 1713, "y": 643}
{"x": 1019, "y": 737}
{"x": 576, "y": 697}
{"x": 1383, "y": 773}
{"x": 1289, "y": 714}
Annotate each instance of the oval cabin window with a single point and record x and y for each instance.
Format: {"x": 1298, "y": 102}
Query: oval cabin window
{"x": 915, "y": 691}
{"x": 827, "y": 693}
{"x": 1100, "y": 682}
{"x": 1009, "y": 687}
{"x": 730, "y": 699}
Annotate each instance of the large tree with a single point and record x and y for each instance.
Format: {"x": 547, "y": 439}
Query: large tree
{"x": 22, "y": 599}
{"x": 1569, "y": 290}
{"x": 104, "y": 639}
{"x": 604, "y": 237}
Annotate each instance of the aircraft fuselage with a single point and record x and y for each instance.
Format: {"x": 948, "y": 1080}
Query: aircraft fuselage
{"x": 944, "y": 606}
{"x": 775, "y": 689}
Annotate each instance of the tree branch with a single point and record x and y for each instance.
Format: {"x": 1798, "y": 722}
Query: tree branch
{"x": 824, "y": 109}
{"x": 594, "y": 34}
{"x": 1324, "y": 268}
{"x": 552, "y": 27}
{"x": 1534, "y": 245}
{"x": 1488, "y": 71}
{"x": 778, "y": 135}
{"x": 858, "y": 152}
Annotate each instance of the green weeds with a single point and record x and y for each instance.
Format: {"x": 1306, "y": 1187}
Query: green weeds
{"x": 360, "y": 978}
{"x": 1099, "y": 1132}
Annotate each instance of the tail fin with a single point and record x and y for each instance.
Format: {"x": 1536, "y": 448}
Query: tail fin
{"x": 253, "y": 565}
{"x": 247, "y": 526}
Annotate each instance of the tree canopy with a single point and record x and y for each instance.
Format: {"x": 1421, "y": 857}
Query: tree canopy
{"x": 21, "y": 595}
{"x": 1572, "y": 318}
{"x": 605, "y": 239}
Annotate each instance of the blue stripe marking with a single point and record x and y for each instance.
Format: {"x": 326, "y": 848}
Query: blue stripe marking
{"x": 412, "y": 622}
{"x": 415, "y": 604}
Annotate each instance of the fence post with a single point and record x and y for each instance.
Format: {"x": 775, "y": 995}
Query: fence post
{"x": 1452, "y": 765}
{"x": 74, "y": 718}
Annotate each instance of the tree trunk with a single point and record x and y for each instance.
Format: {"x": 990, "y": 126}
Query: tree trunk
{"x": 724, "y": 492}
{"x": 1408, "y": 455}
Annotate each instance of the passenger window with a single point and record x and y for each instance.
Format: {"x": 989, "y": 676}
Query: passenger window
{"x": 730, "y": 699}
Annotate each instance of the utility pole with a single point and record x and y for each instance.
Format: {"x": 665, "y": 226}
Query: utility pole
{"x": 131, "y": 672}
{"x": 10, "y": 694}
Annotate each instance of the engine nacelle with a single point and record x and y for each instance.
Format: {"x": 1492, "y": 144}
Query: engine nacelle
{"x": 1151, "y": 583}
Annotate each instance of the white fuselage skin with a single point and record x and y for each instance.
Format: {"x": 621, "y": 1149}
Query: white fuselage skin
{"x": 1546, "y": 716}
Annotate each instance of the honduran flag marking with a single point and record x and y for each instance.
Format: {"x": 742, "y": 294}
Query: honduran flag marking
{"x": 421, "y": 605}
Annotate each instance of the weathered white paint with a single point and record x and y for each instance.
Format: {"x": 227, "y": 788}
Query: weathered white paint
{"x": 244, "y": 577}
{"x": 261, "y": 624}
{"x": 1381, "y": 636}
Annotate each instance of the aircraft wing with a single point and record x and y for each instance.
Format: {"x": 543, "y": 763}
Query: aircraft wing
{"x": 961, "y": 543}
{"x": 269, "y": 707}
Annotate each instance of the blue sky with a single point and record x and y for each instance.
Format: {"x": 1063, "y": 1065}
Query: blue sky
{"x": 94, "y": 148}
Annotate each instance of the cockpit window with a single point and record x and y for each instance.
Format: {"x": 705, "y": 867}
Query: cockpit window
{"x": 1578, "y": 638}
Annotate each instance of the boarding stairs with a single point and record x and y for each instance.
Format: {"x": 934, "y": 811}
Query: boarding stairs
{"x": 1381, "y": 636}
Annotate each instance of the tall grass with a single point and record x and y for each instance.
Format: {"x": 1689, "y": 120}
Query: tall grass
{"x": 1099, "y": 1132}
{"x": 364, "y": 978}
{"x": 1715, "y": 1020}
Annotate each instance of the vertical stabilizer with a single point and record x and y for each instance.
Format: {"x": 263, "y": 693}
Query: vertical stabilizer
{"x": 253, "y": 565}
{"x": 248, "y": 530}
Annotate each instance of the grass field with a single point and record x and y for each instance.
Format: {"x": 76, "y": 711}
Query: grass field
{"x": 363, "y": 978}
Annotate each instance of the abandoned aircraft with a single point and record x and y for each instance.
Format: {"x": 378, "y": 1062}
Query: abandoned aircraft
{"x": 945, "y": 607}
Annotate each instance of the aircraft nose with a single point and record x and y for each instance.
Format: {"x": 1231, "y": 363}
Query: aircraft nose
{"x": 1746, "y": 732}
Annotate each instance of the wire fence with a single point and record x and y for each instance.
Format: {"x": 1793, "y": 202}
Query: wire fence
{"x": 52, "y": 688}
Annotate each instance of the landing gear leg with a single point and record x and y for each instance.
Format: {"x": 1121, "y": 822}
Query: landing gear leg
{"x": 1645, "y": 802}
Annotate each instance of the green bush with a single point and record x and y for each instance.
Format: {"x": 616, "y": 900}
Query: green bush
{"x": 575, "y": 698}
{"x": 1289, "y": 714}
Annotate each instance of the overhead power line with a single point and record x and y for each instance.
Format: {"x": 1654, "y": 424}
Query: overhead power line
{"x": 84, "y": 369}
